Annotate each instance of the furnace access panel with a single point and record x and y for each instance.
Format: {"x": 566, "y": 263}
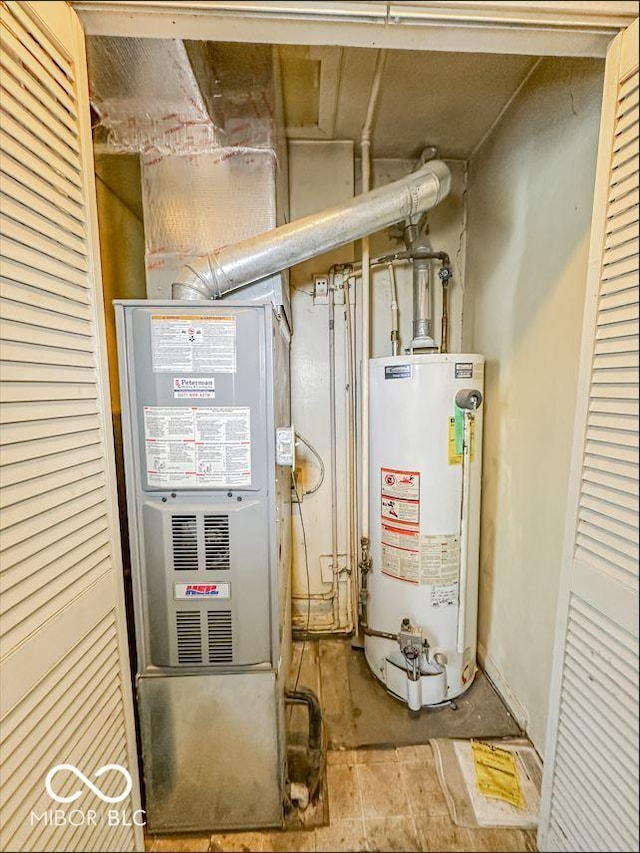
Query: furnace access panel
{"x": 198, "y": 434}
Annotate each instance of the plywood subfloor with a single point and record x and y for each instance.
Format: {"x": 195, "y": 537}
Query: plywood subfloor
{"x": 379, "y": 799}
{"x": 358, "y": 711}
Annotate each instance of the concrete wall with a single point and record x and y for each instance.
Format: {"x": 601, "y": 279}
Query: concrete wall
{"x": 530, "y": 191}
{"x": 322, "y": 174}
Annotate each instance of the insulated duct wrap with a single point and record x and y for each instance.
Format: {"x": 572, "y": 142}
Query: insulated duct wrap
{"x": 203, "y": 117}
{"x": 193, "y": 203}
{"x": 148, "y": 98}
{"x": 233, "y": 267}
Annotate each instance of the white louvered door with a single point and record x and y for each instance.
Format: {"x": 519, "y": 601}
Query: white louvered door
{"x": 64, "y": 670}
{"x": 590, "y": 793}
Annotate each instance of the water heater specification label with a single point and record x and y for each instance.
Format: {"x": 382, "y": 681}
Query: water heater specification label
{"x": 439, "y": 560}
{"x": 193, "y": 343}
{"x": 197, "y": 447}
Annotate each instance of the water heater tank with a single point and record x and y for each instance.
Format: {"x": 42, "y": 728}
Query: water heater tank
{"x": 425, "y": 457}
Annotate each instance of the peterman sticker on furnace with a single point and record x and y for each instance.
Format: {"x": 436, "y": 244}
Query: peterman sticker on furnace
{"x": 197, "y": 447}
{"x": 194, "y": 388}
{"x": 193, "y": 343}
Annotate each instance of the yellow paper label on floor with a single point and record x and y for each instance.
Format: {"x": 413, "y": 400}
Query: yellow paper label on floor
{"x": 497, "y": 773}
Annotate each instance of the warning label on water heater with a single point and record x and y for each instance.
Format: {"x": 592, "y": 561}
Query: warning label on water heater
{"x": 197, "y": 447}
{"x": 400, "y": 484}
{"x": 401, "y": 553}
{"x": 398, "y": 509}
{"x": 193, "y": 343}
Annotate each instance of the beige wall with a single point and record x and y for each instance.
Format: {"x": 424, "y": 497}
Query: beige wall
{"x": 530, "y": 198}
{"x": 122, "y": 261}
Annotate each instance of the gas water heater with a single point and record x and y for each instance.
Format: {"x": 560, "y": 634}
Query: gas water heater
{"x": 425, "y": 471}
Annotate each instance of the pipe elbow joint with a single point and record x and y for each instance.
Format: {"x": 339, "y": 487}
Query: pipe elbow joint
{"x": 196, "y": 281}
{"x": 430, "y": 185}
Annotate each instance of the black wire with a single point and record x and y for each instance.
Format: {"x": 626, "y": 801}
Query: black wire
{"x": 306, "y": 563}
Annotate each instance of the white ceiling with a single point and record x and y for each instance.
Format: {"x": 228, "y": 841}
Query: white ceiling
{"x": 444, "y": 99}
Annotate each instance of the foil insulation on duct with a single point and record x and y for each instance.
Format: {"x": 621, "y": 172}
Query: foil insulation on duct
{"x": 193, "y": 202}
{"x": 147, "y": 96}
{"x": 202, "y": 116}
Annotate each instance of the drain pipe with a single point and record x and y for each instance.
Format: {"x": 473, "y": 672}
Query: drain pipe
{"x": 365, "y": 160}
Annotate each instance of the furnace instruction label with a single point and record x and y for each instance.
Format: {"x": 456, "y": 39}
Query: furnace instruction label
{"x": 197, "y": 447}
{"x": 401, "y": 553}
{"x": 400, "y": 484}
{"x": 439, "y": 560}
{"x": 194, "y": 388}
{"x": 193, "y": 343}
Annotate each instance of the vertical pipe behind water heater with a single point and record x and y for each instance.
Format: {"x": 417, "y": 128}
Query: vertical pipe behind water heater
{"x": 365, "y": 154}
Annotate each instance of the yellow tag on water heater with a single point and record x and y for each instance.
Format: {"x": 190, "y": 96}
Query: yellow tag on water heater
{"x": 456, "y": 437}
{"x": 496, "y": 773}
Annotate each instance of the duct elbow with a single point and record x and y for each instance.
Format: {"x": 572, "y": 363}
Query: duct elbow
{"x": 432, "y": 186}
{"x": 196, "y": 281}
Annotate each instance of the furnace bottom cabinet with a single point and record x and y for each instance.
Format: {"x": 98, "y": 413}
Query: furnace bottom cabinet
{"x": 204, "y": 389}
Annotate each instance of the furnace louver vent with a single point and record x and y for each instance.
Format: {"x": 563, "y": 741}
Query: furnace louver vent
{"x": 216, "y": 543}
{"x": 184, "y": 536}
{"x": 220, "y": 636}
{"x": 189, "y": 635}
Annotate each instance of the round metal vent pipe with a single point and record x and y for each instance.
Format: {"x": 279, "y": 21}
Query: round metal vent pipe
{"x": 233, "y": 267}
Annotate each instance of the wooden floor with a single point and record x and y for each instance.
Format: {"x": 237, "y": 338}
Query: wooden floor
{"x": 379, "y": 799}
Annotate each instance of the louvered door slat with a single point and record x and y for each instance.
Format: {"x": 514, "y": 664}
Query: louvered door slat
{"x": 28, "y": 91}
{"x": 64, "y": 666}
{"x": 39, "y": 543}
{"x": 18, "y": 41}
{"x": 43, "y": 148}
{"x": 26, "y": 533}
{"x": 58, "y": 58}
{"x": 47, "y": 214}
{"x": 591, "y": 768}
{"x": 44, "y": 227}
